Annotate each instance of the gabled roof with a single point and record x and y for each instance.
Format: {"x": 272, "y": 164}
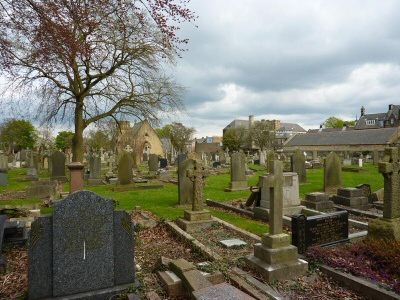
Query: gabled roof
{"x": 291, "y": 127}
{"x": 378, "y": 118}
{"x": 237, "y": 122}
{"x": 380, "y": 136}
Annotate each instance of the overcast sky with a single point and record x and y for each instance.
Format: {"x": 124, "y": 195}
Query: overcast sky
{"x": 294, "y": 61}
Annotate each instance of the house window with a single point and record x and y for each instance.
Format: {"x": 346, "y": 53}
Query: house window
{"x": 370, "y": 122}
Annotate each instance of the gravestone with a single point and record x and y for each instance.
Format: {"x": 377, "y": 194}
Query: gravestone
{"x": 31, "y": 174}
{"x": 163, "y": 163}
{"x": 181, "y": 158}
{"x": 95, "y": 171}
{"x": 290, "y": 199}
{"x": 332, "y": 173}
{"x": 388, "y": 227}
{"x": 320, "y": 230}
{"x": 58, "y": 166}
{"x": 194, "y": 155}
{"x": 42, "y": 189}
{"x": 262, "y": 158}
{"x": 84, "y": 250}
{"x": 376, "y": 157}
{"x": 3, "y": 170}
{"x": 238, "y": 173}
{"x": 125, "y": 173}
{"x": 145, "y": 157}
{"x": 197, "y": 218}
{"x": 222, "y": 158}
{"x": 153, "y": 164}
{"x": 185, "y": 185}
{"x": 366, "y": 188}
{"x": 298, "y": 165}
{"x": 275, "y": 258}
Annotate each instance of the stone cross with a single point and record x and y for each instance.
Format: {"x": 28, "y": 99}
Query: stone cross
{"x": 197, "y": 176}
{"x": 389, "y": 166}
{"x": 275, "y": 169}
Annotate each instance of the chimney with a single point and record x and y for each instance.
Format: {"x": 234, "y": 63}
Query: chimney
{"x": 320, "y": 128}
{"x": 391, "y": 106}
{"x": 362, "y": 111}
{"x": 344, "y": 127}
{"x": 251, "y": 121}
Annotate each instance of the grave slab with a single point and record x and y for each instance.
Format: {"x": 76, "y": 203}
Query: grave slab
{"x": 221, "y": 291}
{"x": 233, "y": 243}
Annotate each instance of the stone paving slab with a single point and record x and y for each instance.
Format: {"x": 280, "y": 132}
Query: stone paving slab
{"x": 233, "y": 243}
{"x": 221, "y": 291}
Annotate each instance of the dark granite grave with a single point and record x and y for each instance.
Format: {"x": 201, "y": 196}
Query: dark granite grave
{"x": 323, "y": 230}
{"x": 216, "y": 164}
{"x": 163, "y": 163}
{"x": 85, "y": 250}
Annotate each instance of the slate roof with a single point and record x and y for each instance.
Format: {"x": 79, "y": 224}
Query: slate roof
{"x": 291, "y": 127}
{"x": 347, "y": 137}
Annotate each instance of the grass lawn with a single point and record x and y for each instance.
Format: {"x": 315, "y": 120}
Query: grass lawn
{"x": 164, "y": 202}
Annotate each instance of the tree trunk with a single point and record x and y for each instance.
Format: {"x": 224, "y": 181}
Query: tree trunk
{"x": 77, "y": 140}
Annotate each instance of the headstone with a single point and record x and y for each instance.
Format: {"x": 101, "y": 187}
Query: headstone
{"x": 125, "y": 173}
{"x": 163, "y": 163}
{"x": 31, "y": 173}
{"x": 376, "y": 157}
{"x": 274, "y": 258}
{"x": 197, "y": 218}
{"x": 42, "y": 189}
{"x": 153, "y": 164}
{"x": 388, "y": 227}
{"x": 222, "y": 158}
{"x": 95, "y": 171}
{"x": 3, "y": 170}
{"x": 332, "y": 173}
{"x": 185, "y": 185}
{"x": 145, "y": 157}
{"x": 181, "y": 158}
{"x": 58, "y": 166}
{"x": 85, "y": 249}
{"x": 298, "y": 165}
{"x": 321, "y": 230}
{"x": 366, "y": 188}
{"x": 238, "y": 173}
{"x": 262, "y": 158}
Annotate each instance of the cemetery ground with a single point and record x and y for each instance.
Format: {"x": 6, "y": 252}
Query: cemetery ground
{"x": 153, "y": 243}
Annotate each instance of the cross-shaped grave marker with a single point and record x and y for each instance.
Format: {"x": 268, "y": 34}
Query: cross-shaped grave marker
{"x": 197, "y": 176}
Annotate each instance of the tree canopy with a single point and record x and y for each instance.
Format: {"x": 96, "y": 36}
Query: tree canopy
{"x": 93, "y": 59}
{"x": 17, "y": 135}
{"x": 64, "y": 140}
{"x": 262, "y": 134}
{"x": 333, "y": 122}
{"x": 234, "y": 138}
{"x": 178, "y": 134}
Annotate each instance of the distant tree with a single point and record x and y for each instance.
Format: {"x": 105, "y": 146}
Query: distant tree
{"x": 17, "y": 134}
{"x": 45, "y": 139}
{"x": 64, "y": 140}
{"x": 164, "y": 132}
{"x": 234, "y": 138}
{"x": 88, "y": 60}
{"x": 333, "y": 122}
{"x": 262, "y": 134}
{"x": 104, "y": 136}
{"x": 180, "y": 134}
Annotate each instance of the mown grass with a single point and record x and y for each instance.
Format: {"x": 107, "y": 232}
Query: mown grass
{"x": 164, "y": 202}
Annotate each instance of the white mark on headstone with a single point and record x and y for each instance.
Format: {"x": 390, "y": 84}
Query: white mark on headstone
{"x": 84, "y": 250}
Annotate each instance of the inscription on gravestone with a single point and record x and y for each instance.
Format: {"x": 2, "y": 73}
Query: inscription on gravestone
{"x": 321, "y": 230}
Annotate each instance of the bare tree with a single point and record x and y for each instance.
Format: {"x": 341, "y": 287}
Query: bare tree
{"x": 92, "y": 59}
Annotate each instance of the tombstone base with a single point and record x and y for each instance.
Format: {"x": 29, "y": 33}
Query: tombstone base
{"x": 262, "y": 213}
{"x": 383, "y": 228}
{"x": 102, "y": 294}
{"x": 134, "y": 187}
{"x": 195, "y": 220}
{"x": 320, "y": 206}
{"x": 276, "y": 259}
{"x": 237, "y": 186}
{"x": 94, "y": 182}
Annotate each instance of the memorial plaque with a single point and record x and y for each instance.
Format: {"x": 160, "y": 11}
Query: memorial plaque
{"x": 322, "y": 230}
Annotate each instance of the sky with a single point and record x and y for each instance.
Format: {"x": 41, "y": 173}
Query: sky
{"x": 294, "y": 61}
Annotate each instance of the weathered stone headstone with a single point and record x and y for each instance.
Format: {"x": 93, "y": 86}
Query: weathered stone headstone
{"x": 125, "y": 173}
{"x": 332, "y": 173}
{"x": 318, "y": 201}
{"x": 351, "y": 197}
{"x": 153, "y": 164}
{"x": 95, "y": 170}
{"x": 388, "y": 227}
{"x": 298, "y": 165}
{"x": 58, "y": 166}
{"x": 185, "y": 185}
{"x": 181, "y": 158}
{"x": 376, "y": 157}
{"x": 197, "y": 218}
{"x": 85, "y": 249}
{"x": 238, "y": 173}
{"x": 31, "y": 173}
{"x": 3, "y": 170}
{"x": 275, "y": 258}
